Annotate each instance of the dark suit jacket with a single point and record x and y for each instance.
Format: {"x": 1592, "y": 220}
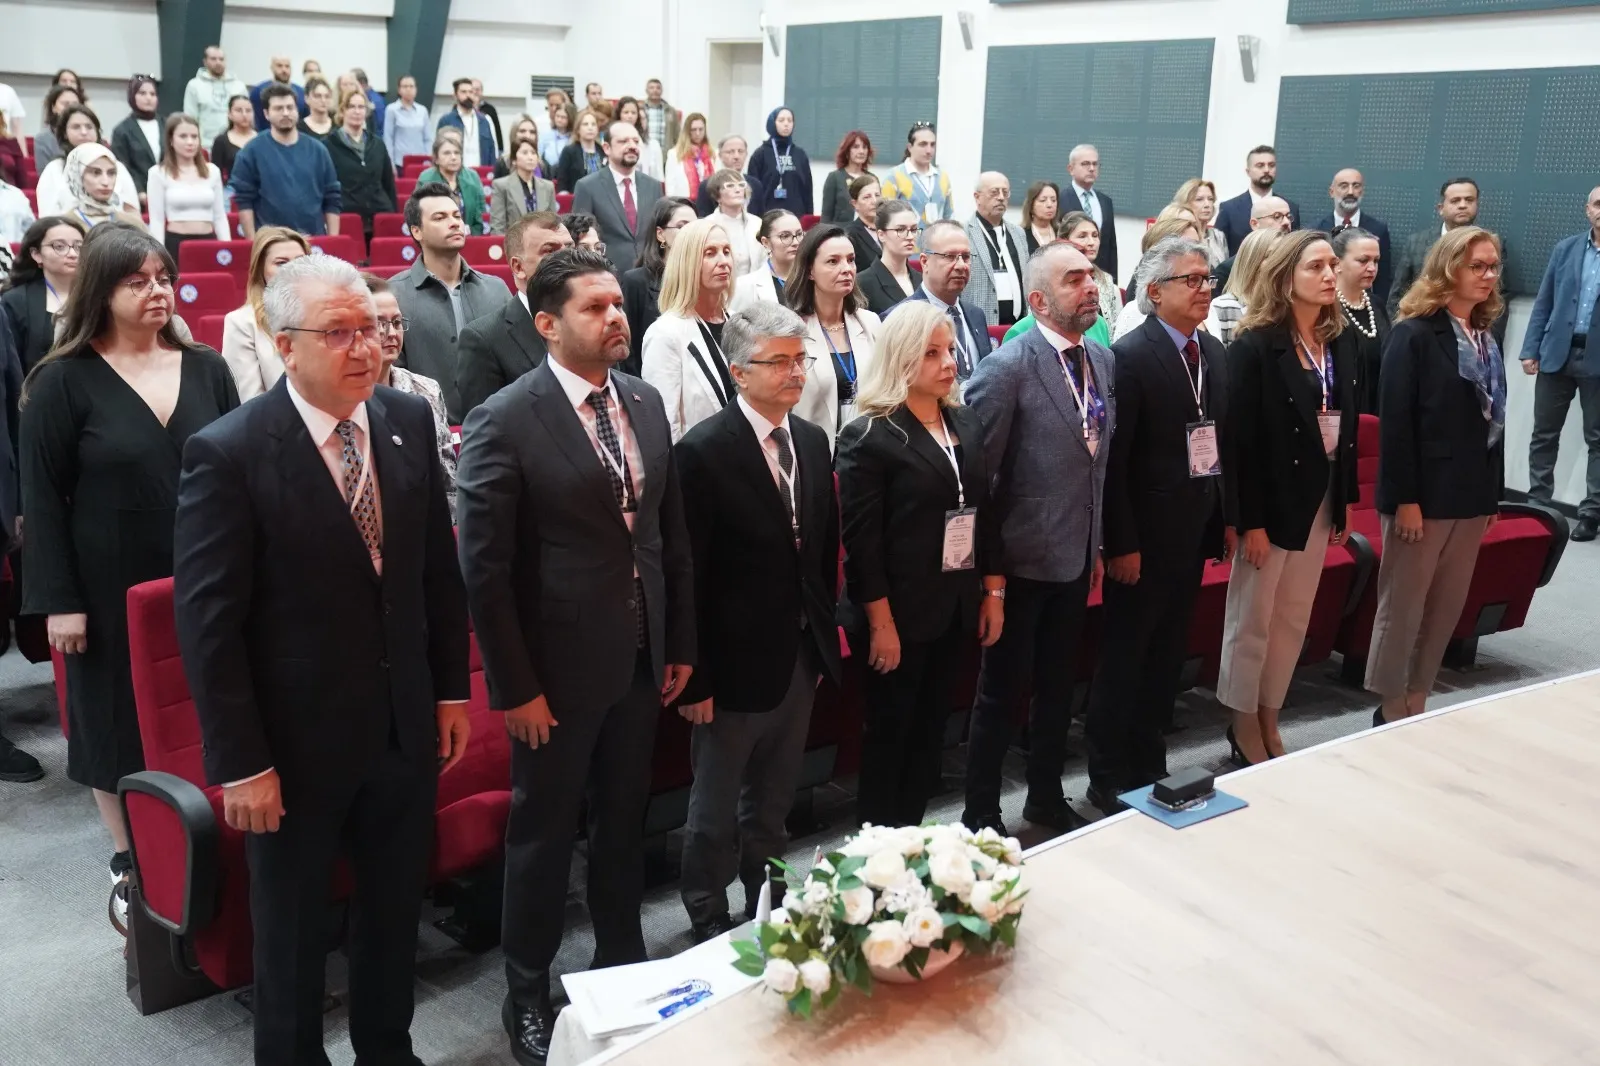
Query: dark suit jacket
{"x": 880, "y": 288}
{"x": 1233, "y": 218}
{"x": 702, "y": 199}
{"x": 597, "y": 195}
{"x": 10, "y": 392}
{"x": 1379, "y": 229}
{"x": 299, "y": 654}
{"x": 495, "y": 350}
{"x": 32, "y": 328}
{"x": 895, "y": 485}
{"x": 641, "y": 302}
{"x": 1435, "y": 447}
{"x": 750, "y": 585}
{"x": 548, "y": 558}
{"x": 1107, "y": 258}
{"x": 133, "y": 151}
{"x": 1271, "y": 440}
{"x": 1153, "y": 506}
{"x": 977, "y": 325}
{"x": 868, "y": 250}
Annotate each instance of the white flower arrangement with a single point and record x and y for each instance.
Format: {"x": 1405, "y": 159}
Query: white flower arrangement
{"x": 888, "y": 899}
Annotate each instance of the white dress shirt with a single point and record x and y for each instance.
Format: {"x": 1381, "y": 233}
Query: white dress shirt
{"x": 469, "y": 139}
{"x": 1088, "y": 196}
{"x": 323, "y": 428}
{"x": 769, "y": 448}
{"x": 577, "y": 391}
{"x": 966, "y": 341}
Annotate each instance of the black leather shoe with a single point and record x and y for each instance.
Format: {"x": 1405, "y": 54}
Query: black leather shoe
{"x": 976, "y": 822}
{"x": 713, "y": 928}
{"x": 1585, "y": 530}
{"x": 16, "y": 764}
{"x": 530, "y": 1026}
{"x": 1104, "y": 800}
{"x": 1056, "y": 814}
{"x": 1236, "y": 754}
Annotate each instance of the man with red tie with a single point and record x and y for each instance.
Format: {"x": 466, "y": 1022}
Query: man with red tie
{"x": 618, "y": 195}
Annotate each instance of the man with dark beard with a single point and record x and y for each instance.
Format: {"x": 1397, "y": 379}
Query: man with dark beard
{"x": 1233, "y": 217}
{"x": 1347, "y": 190}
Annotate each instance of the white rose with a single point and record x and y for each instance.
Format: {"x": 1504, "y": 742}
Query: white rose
{"x": 942, "y": 838}
{"x": 986, "y": 865}
{"x": 952, "y": 871}
{"x": 858, "y": 904}
{"x": 883, "y": 868}
{"x": 791, "y": 903}
{"x": 781, "y": 976}
{"x": 923, "y": 926}
{"x": 816, "y": 976}
{"x": 886, "y": 944}
{"x": 910, "y": 840}
{"x": 986, "y": 900}
{"x": 1013, "y": 851}
{"x": 987, "y": 836}
{"x": 818, "y": 897}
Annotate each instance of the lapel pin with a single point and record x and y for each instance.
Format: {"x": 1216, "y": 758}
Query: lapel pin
{"x": 396, "y": 440}
{"x": 636, "y": 398}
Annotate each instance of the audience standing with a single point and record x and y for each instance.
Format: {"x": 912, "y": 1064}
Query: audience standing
{"x": 282, "y": 70}
{"x": 46, "y": 147}
{"x": 186, "y": 197}
{"x": 1269, "y": 212}
{"x": 1083, "y": 166}
{"x": 104, "y": 418}
{"x": 377, "y": 106}
{"x": 91, "y": 174}
{"x": 318, "y": 121}
{"x": 11, "y": 154}
{"x": 582, "y": 156}
{"x": 209, "y": 95}
{"x": 39, "y": 283}
{"x": 1346, "y": 191}
{"x": 1228, "y": 309}
{"x": 782, "y": 167}
{"x": 137, "y": 139}
{"x": 526, "y": 129}
{"x": 11, "y": 108}
{"x": 490, "y": 115}
{"x": 865, "y": 196}
{"x": 641, "y": 286}
{"x": 477, "y": 132}
{"x": 892, "y": 279}
{"x": 247, "y": 345}
{"x": 501, "y": 346}
{"x": 690, "y": 162}
{"x": 729, "y": 192}
{"x": 1041, "y": 213}
{"x": 682, "y": 352}
{"x": 16, "y": 215}
{"x": 563, "y": 120}
{"x": 391, "y": 325}
{"x": 841, "y": 333}
{"x": 76, "y": 126}
{"x": 731, "y": 155}
{"x": 1132, "y": 314}
{"x": 662, "y": 117}
{"x": 405, "y": 124}
{"x": 1457, "y": 207}
{"x": 1079, "y": 230}
{"x": 16, "y": 765}
{"x": 361, "y": 163}
{"x": 465, "y": 186}
{"x": 240, "y": 132}
{"x": 285, "y": 179}
{"x": 1236, "y": 217}
{"x": 523, "y": 190}
{"x": 780, "y": 235}
{"x": 999, "y": 250}
{"x": 620, "y": 197}
{"x": 918, "y": 180}
{"x": 947, "y": 258}
{"x": 1360, "y": 261}
{"x": 851, "y": 161}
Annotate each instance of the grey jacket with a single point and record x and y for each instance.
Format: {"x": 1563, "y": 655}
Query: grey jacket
{"x": 980, "y": 287}
{"x": 431, "y": 334}
{"x": 1043, "y": 481}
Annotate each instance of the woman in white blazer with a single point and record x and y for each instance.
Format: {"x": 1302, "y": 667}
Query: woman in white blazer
{"x": 729, "y": 192}
{"x": 841, "y": 333}
{"x": 247, "y": 347}
{"x": 682, "y": 355}
{"x": 780, "y": 237}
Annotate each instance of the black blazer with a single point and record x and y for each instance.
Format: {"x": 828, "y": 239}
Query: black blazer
{"x": 895, "y": 485}
{"x": 1379, "y": 230}
{"x": 299, "y": 654}
{"x": 641, "y": 303}
{"x": 868, "y": 250}
{"x": 1107, "y": 258}
{"x": 133, "y": 151}
{"x": 495, "y": 350}
{"x": 548, "y": 558}
{"x": 366, "y": 178}
{"x": 1152, "y": 505}
{"x": 569, "y": 165}
{"x": 1435, "y": 447}
{"x": 32, "y": 328}
{"x": 880, "y": 288}
{"x": 10, "y": 393}
{"x": 750, "y": 585}
{"x": 1370, "y": 350}
{"x": 1271, "y": 441}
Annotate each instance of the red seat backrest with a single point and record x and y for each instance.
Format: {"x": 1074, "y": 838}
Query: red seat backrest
{"x": 204, "y": 257}
{"x": 168, "y": 724}
{"x": 403, "y": 188}
{"x": 340, "y": 247}
{"x": 484, "y": 251}
{"x": 998, "y": 333}
{"x": 1367, "y": 460}
{"x": 201, "y": 294}
{"x": 392, "y": 251}
{"x": 807, "y": 221}
{"x": 414, "y": 166}
{"x": 208, "y": 331}
{"x": 235, "y": 227}
{"x": 350, "y": 225}
{"x": 563, "y": 202}
{"x": 388, "y": 224}
{"x": 500, "y": 271}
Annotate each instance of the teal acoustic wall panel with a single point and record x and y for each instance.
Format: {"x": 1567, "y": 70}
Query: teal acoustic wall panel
{"x": 1307, "y": 12}
{"x": 878, "y": 77}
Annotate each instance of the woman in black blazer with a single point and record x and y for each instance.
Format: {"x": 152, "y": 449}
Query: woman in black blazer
{"x": 641, "y": 286}
{"x": 891, "y": 279}
{"x": 1289, "y": 440}
{"x": 1367, "y": 318}
{"x": 136, "y": 141}
{"x": 923, "y": 598}
{"x": 865, "y": 195}
{"x": 582, "y": 155}
{"x": 1441, "y": 467}
{"x": 39, "y": 284}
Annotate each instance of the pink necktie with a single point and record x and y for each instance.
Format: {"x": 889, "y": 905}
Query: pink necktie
{"x": 629, "y": 208}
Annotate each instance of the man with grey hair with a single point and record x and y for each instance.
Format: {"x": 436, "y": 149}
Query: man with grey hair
{"x": 1164, "y": 516}
{"x": 764, "y": 524}
{"x": 322, "y": 621}
{"x": 732, "y": 154}
{"x": 946, "y": 268}
{"x": 999, "y": 250}
{"x": 1048, "y": 407}
{"x": 1268, "y": 213}
{"x": 1083, "y": 167}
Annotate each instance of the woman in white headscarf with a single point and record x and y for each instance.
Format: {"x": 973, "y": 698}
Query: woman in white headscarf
{"x": 91, "y": 177}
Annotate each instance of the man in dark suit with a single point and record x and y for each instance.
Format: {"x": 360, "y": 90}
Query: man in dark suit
{"x": 1458, "y": 206}
{"x": 946, "y": 269}
{"x": 501, "y": 346}
{"x": 1048, "y": 408}
{"x": 323, "y": 627}
{"x": 619, "y": 196}
{"x": 1164, "y": 517}
{"x": 579, "y": 576}
{"x": 1083, "y": 167}
{"x": 15, "y": 764}
{"x": 733, "y": 153}
{"x": 1233, "y": 217}
{"x": 1347, "y": 189}
{"x": 764, "y": 522}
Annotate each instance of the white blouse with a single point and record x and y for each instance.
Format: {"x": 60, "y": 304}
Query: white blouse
{"x": 191, "y": 199}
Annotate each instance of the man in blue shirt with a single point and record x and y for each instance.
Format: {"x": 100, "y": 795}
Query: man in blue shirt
{"x": 282, "y": 70}
{"x": 285, "y": 179}
{"x": 1560, "y": 348}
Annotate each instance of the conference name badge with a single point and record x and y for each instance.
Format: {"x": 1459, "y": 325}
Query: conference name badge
{"x": 1005, "y": 284}
{"x": 1205, "y": 457}
{"x": 1328, "y": 423}
{"x": 960, "y": 539}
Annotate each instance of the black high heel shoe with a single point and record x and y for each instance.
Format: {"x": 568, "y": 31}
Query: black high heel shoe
{"x": 1377, "y": 717}
{"x": 1236, "y": 754}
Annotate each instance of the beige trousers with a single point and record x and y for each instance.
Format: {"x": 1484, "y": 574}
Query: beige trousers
{"x": 1421, "y": 589}
{"x": 1264, "y": 630}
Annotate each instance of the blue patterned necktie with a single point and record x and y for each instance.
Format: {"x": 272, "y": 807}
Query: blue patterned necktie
{"x": 365, "y": 508}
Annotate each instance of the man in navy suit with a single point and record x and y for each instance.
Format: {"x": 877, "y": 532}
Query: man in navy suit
{"x": 1233, "y": 217}
{"x": 1560, "y": 347}
{"x": 1346, "y": 191}
{"x": 946, "y": 269}
{"x": 1083, "y": 167}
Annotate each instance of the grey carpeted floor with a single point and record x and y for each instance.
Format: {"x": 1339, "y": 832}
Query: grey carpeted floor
{"x": 62, "y": 987}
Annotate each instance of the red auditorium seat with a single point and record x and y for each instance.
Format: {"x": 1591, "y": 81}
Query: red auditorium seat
{"x": 389, "y": 225}
{"x": 201, "y": 294}
{"x": 485, "y": 175}
{"x": 235, "y": 227}
{"x": 563, "y": 202}
{"x": 808, "y": 221}
{"x": 403, "y": 187}
{"x": 205, "y": 257}
{"x": 350, "y": 226}
{"x": 397, "y": 252}
{"x": 484, "y": 251}
{"x": 998, "y": 334}
{"x": 341, "y": 247}
{"x": 497, "y": 270}
{"x": 208, "y": 331}
{"x": 189, "y": 866}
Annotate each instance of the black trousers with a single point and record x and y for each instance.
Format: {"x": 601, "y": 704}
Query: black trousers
{"x": 1039, "y": 648}
{"x": 601, "y": 756}
{"x": 1143, "y": 645}
{"x": 384, "y": 825}
{"x": 1552, "y": 398}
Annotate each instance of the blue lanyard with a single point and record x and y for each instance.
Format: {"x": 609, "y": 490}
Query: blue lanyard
{"x": 849, "y": 370}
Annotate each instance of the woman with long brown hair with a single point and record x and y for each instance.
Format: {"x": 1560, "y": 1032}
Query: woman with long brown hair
{"x": 247, "y": 347}
{"x": 1289, "y": 438}
{"x": 186, "y": 198}
{"x": 1441, "y": 472}
{"x": 104, "y": 419}
{"x": 692, "y": 160}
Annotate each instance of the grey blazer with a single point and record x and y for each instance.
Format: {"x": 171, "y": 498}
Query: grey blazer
{"x": 597, "y": 195}
{"x": 1044, "y": 483}
{"x": 505, "y": 206}
{"x": 980, "y": 287}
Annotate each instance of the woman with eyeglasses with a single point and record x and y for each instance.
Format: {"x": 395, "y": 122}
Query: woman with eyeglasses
{"x": 780, "y": 236}
{"x": 730, "y": 193}
{"x": 104, "y": 419}
{"x": 891, "y": 279}
{"x": 1289, "y": 436}
{"x": 865, "y": 196}
{"x": 912, "y": 459}
{"x": 841, "y": 333}
{"x": 1442, "y": 417}
{"x": 247, "y": 347}
{"x": 1359, "y": 253}
{"x": 391, "y": 338}
{"x": 918, "y": 180}
{"x": 683, "y": 355}
{"x": 40, "y": 281}
{"x": 641, "y": 286}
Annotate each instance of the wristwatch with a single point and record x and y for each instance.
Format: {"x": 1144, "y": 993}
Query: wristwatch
{"x": 998, "y": 594}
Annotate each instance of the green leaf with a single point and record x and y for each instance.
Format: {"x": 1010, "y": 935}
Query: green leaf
{"x": 951, "y": 919}
{"x": 768, "y": 935}
{"x": 915, "y": 960}
{"x": 850, "y": 865}
{"x": 1007, "y": 934}
{"x": 831, "y": 994}
{"x": 920, "y": 868}
{"x": 801, "y": 1003}
{"x": 972, "y": 923}
{"x": 861, "y": 976}
{"x": 750, "y": 967}
{"x": 747, "y": 949}
{"x": 845, "y": 884}
{"x": 788, "y": 870}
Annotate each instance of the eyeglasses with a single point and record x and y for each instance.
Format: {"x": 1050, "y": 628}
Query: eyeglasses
{"x": 964, "y": 258}
{"x": 801, "y": 363}
{"x": 597, "y": 246}
{"x": 1194, "y": 281}
{"x": 1277, "y": 216}
{"x": 393, "y": 325}
{"x": 902, "y": 231}
{"x": 65, "y": 247}
{"x": 1485, "y": 270}
{"x": 339, "y": 339}
{"x": 787, "y": 237}
{"x": 144, "y": 284}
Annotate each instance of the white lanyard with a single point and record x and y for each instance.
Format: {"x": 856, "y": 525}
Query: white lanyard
{"x": 1196, "y": 383}
{"x": 1080, "y": 397}
{"x": 950, "y": 454}
{"x": 788, "y": 479}
{"x": 628, "y": 492}
{"x": 1322, "y": 369}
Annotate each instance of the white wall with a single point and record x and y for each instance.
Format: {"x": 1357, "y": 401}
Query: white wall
{"x": 103, "y": 42}
{"x": 253, "y": 31}
{"x": 502, "y": 44}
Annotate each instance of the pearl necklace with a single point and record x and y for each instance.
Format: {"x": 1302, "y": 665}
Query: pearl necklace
{"x": 1370, "y": 330}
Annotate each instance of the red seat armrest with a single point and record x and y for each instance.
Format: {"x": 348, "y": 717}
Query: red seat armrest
{"x": 1560, "y": 530}
{"x": 173, "y": 842}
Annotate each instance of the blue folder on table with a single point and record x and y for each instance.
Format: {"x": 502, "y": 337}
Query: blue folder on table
{"x": 1220, "y": 803}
